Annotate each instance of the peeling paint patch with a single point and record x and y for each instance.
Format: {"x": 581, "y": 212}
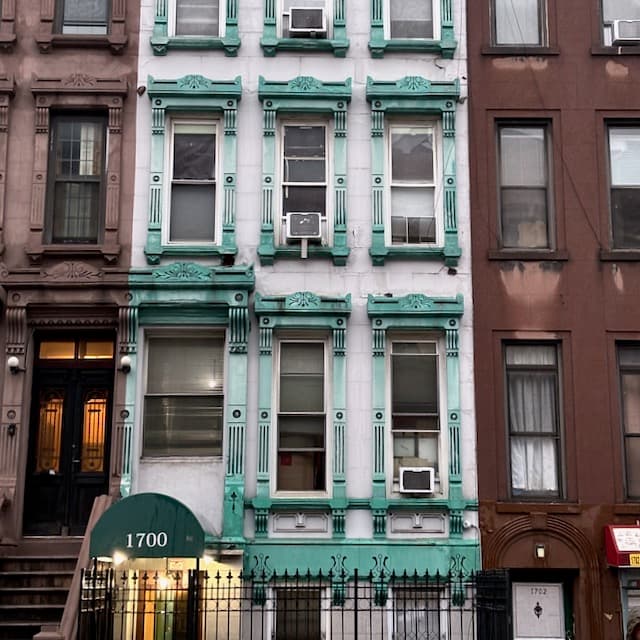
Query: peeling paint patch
{"x": 616, "y": 70}
{"x": 518, "y": 64}
{"x": 530, "y": 281}
{"x": 618, "y": 280}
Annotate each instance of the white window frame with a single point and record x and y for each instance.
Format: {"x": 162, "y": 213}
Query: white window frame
{"x": 328, "y": 17}
{"x": 172, "y": 11}
{"x": 435, "y": 11}
{"x": 441, "y": 474}
{"x": 438, "y": 209}
{"x": 326, "y": 221}
{"x": 172, "y": 332}
{"x": 319, "y": 337}
{"x": 216, "y": 124}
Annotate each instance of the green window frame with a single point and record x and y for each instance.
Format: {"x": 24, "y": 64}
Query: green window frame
{"x": 307, "y": 101}
{"x": 414, "y": 101}
{"x": 301, "y": 317}
{"x": 410, "y": 318}
{"x": 192, "y": 96}
{"x": 443, "y": 41}
{"x": 336, "y": 40}
{"x": 164, "y": 37}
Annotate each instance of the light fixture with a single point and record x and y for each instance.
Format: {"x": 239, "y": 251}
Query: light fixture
{"x": 119, "y": 558}
{"x": 14, "y": 364}
{"x": 540, "y": 551}
{"x": 125, "y": 364}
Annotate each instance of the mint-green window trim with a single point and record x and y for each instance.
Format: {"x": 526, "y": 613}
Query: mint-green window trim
{"x": 271, "y": 43}
{"x": 304, "y": 95}
{"x": 302, "y": 311}
{"x": 184, "y": 294}
{"x": 161, "y": 42}
{"x": 416, "y": 312}
{"x": 414, "y": 96}
{"x": 379, "y": 45}
{"x": 192, "y": 94}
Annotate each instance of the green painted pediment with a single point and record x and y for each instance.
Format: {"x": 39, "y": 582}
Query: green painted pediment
{"x": 412, "y": 87}
{"x": 194, "y": 85}
{"x": 305, "y": 87}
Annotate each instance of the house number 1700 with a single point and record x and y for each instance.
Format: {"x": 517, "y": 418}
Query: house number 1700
{"x": 147, "y": 539}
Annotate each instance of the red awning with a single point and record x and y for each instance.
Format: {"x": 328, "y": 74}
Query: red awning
{"x": 622, "y": 543}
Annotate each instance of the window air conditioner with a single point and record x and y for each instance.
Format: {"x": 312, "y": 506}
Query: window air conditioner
{"x": 304, "y": 225}
{"x": 626, "y": 32}
{"x": 307, "y": 22}
{"x": 416, "y": 479}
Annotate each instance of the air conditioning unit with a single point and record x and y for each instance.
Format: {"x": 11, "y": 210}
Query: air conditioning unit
{"x": 626, "y": 32}
{"x": 307, "y": 22}
{"x": 417, "y": 479}
{"x": 304, "y": 225}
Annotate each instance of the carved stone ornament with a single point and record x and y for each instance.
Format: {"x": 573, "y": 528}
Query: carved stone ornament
{"x": 193, "y": 81}
{"x": 305, "y": 83}
{"x": 72, "y": 271}
{"x": 414, "y": 83}
{"x": 79, "y": 80}
{"x": 182, "y": 271}
{"x": 302, "y": 300}
{"x": 416, "y": 301}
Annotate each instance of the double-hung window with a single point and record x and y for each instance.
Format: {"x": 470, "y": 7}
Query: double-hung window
{"x": 620, "y": 22}
{"x": 413, "y": 19}
{"x": 192, "y": 204}
{"x": 304, "y": 183}
{"x": 302, "y": 416}
{"x": 416, "y": 612}
{"x": 519, "y": 23}
{"x": 415, "y": 406}
{"x": 624, "y": 171}
{"x": 533, "y": 416}
{"x": 183, "y": 402}
{"x": 76, "y": 178}
{"x": 197, "y": 18}
{"x": 299, "y": 613}
{"x": 629, "y": 370}
{"x": 84, "y": 17}
{"x": 414, "y": 196}
{"x": 524, "y": 186}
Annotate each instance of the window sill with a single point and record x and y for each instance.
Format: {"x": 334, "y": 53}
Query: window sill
{"x": 449, "y": 256}
{"x": 149, "y": 459}
{"x": 109, "y": 252}
{"x": 312, "y": 502}
{"x": 422, "y": 504}
{"x": 619, "y": 255}
{"x": 48, "y": 41}
{"x": 497, "y": 50}
{"x": 225, "y": 253}
{"x": 551, "y": 505}
{"x": 602, "y": 50}
{"x": 7, "y": 42}
{"x": 629, "y": 509}
{"x": 446, "y": 48}
{"x": 161, "y": 45}
{"x": 270, "y": 47}
{"x": 268, "y": 254}
{"x": 528, "y": 256}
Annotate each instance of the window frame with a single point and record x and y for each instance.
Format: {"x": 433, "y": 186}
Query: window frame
{"x": 549, "y": 168}
{"x": 543, "y": 28}
{"x": 60, "y": 23}
{"x": 621, "y": 345}
{"x": 194, "y": 98}
{"x": 7, "y": 26}
{"x": 443, "y": 41}
{"x": 558, "y": 435}
{"x": 7, "y": 91}
{"x": 272, "y": 41}
{"x": 413, "y": 99}
{"x": 308, "y": 100}
{"x": 150, "y": 335}
{"x": 165, "y": 39}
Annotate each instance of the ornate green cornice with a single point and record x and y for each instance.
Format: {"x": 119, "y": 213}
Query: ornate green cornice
{"x": 302, "y": 303}
{"x": 428, "y": 311}
{"x": 436, "y": 93}
{"x": 191, "y": 274}
{"x": 195, "y": 85}
{"x": 303, "y": 88}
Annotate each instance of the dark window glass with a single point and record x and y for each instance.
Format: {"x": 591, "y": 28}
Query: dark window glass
{"x": 629, "y": 363}
{"x": 85, "y": 16}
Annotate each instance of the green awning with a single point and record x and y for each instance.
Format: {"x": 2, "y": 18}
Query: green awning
{"x": 148, "y": 525}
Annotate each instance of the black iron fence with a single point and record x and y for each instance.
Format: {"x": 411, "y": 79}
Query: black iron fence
{"x": 201, "y": 605}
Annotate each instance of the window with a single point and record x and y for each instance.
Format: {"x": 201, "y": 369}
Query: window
{"x": 524, "y": 186}
{"x": 304, "y": 25}
{"x": 620, "y": 22}
{"x": 533, "y": 414}
{"x": 192, "y": 209}
{"x": 84, "y": 17}
{"x": 413, "y": 194}
{"x": 519, "y": 22}
{"x": 183, "y": 402}
{"x": 304, "y": 179}
{"x": 624, "y": 166}
{"x": 416, "y": 613}
{"x": 415, "y": 420}
{"x": 76, "y": 173}
{"x": 413, "y": 165}
{"x": 629, "y": 369}
{"x": 301, "y": 417}
{"x": 298, "y": 613}
{"x": 412, "y": 25}
{"x": 197, "y": 18}
{"x": 193, "y": 183}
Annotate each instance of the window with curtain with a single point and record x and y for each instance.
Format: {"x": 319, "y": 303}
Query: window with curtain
{"x": 411, "y": 19}
{"x": 533, "y": 414}
{"x": 197, "y": 18}
{"x": 416, "y": 613}
{"x": 85, "y": 17}
{"x": 301, "y": 417}
{"x": 76, "y": 178}
{"x": 193, "y": 182}
{"x": 629, "y": 370}
{"x": 519, "y": 22}
{"x": 624, "y": 167}
{"x": 183, "y": 403}
{"x": 524, "y": 186}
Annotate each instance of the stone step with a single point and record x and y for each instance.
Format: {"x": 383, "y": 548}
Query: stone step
{"x": 18, "y": 630}
{"x": 40, "y": 613}
{"x": 18, "y": 579}
{"x": 37, "y": 563}
{"x": 34, "y": 595}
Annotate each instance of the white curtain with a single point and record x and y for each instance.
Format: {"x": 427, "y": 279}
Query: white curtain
{"x": 517, "y": 22}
